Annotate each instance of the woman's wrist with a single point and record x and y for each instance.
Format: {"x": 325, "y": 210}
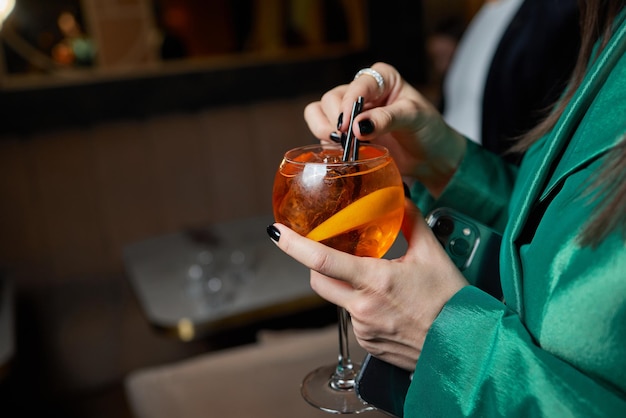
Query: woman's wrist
{"x": 442, "y": 164}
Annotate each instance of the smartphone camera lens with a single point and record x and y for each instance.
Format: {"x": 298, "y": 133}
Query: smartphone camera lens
{"x": 444, "y": 226}
{"x": 459, "y": 247}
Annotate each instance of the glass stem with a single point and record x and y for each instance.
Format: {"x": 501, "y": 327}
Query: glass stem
{"x": 343, "y": 378}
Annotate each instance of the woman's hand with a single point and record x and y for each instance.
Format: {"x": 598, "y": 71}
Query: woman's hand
{"x": 392, "y": 302}
{"x": 398, "y": 117}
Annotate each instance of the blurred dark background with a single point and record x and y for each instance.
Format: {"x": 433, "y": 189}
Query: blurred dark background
{"x": 129, "y": 119}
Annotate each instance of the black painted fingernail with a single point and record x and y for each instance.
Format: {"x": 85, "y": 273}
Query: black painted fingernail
{"x": 273, "y": 232}
{"x": 339, "y": 138}
{"x": 340, "y": 121}
{"x": 407, "y": 191}
{"x": 366, "y": 127}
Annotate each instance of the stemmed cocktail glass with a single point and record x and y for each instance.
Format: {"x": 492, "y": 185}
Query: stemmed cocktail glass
{"x": 354, "y": 206}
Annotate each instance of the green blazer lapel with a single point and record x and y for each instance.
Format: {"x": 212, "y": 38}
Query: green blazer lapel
{"x": 598, "y": 131}
{"x": 582, "y": 150}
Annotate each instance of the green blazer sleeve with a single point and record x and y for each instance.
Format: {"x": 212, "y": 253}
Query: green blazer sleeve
{"x": 557, "y": 346}
{"x": 467, "y": 193}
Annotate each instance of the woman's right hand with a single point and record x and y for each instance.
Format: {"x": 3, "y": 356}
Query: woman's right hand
{"x": 398, "y": 117}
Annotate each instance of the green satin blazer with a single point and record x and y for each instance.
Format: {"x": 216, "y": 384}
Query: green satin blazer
{"x": 557, "y": 347}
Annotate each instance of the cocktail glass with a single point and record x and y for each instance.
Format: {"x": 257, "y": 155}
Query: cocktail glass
{"x": 353, "y": 206}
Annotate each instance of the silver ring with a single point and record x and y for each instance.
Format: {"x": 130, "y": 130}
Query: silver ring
{"x": 376, "y": 75}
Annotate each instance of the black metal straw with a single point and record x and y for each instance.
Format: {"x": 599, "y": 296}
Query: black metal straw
{"x": 351, "y": 150}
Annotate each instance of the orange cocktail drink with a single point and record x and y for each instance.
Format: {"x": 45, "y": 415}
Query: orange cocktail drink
{"x": 353, "y": 206}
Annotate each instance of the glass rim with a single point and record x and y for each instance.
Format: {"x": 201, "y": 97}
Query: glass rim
{"x": 303, "y": 148}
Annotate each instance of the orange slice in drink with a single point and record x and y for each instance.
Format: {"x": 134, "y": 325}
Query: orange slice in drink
{"x": 367, "y": 209}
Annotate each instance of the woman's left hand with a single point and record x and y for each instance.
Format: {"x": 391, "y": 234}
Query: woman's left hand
{"x": 392, "y": 303}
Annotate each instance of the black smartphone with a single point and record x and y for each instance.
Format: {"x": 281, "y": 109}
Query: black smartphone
{"x": 383, "y": 385}
{"x": 474, "y": 248}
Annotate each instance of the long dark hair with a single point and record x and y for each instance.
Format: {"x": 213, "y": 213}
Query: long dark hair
{"x": 597, "y": 18}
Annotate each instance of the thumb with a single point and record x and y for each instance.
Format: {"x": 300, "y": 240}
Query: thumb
{"x": 418, "y": 234}
{"x": 412, "y": 219}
